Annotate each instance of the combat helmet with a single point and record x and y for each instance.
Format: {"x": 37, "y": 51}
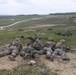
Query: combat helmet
{"x": 50, "y": 39}
{"x": 17, "y": 40}
{"x": 62, "y": 41}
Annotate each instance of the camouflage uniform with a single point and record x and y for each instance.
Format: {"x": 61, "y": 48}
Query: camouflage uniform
{"x": 29, "y": 52}
{"x": 13, "y": 49}
{"x": 32, "y": 48}
{"x": 37, "y": 44}
{"x": 26, "y": 51}
{"x": 48, "y": 52}
{"x": 61, "y": 44}
{"x": 60, "y": 47}
{"x": 34, "y": 42}
{"x": 52, "y": 43}
{"x": 48, "y": 48}
{"x": 35, "y": 54}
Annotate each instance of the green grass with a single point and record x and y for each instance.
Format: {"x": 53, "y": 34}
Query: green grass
{"x": 6, "y": 22}
{"x": 6, "y": 36}
{"x": 24, "y": 69}
{"x": 61, "y": 20}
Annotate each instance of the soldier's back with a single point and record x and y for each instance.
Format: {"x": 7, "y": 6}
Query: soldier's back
{"x": 37, "y": 44}
{"x": 58, "y": 45}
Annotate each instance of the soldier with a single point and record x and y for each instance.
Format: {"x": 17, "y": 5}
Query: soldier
{"x": 35, "y": 54}
{"x": 61, "y": 53}
{"x": 35, "y": 42}
{"x": 32, "y": 48}
{"x": 29, "y": 37}
{"x": 52, "y": 43}
{"x": 13, "y": 49}
{"x": 26, "y": 51}
{"x": 48, "y": 48}
{"x": 60, "y": 47}
{"x": 29, "y": 52}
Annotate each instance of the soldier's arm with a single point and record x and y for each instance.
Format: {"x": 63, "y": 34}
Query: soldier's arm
{"x": 24, "y": 37}
{"x": 21, "y": 46}
{"x": 10, "y": 44}
{"x": 29, "y": 37}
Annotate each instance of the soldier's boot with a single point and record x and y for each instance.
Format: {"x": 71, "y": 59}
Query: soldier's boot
{"x": 22, "y": 54}
{"x": 11, "y": 58}
{"x": 54, "y": 54}
{"x": 26, "y": 56}
{"x": 5, "y": 53}
{"x": 49, "y": 57}
{"x": 66, "y": 59}
{"x": 41, "y": 52}
{"x": 1, "y": 55}
{"x": 36, "y": 56}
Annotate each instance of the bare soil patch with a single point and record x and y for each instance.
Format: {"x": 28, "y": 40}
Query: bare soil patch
{"x": 58, "y": 65}
{"x": 62, "y": 67}
{"x": 41, "y": 26}
{"x": 45, "y": 25}
{"x": 5, "y": 63}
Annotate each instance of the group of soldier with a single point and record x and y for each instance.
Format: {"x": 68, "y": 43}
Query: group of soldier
{"x": 35, "y": 49}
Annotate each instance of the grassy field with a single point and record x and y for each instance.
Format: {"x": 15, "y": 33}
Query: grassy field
{"x": 64, "y": 23}
{"x": 9, "y": 34}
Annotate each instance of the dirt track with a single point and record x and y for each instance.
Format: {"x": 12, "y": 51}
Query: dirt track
{"x": 2, "y": 27}
{"x": 45, "y": 25}
{"x": 38, "y": 26}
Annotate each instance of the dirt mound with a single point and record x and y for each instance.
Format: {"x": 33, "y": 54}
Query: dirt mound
{"x": 62, "y": 67}
{"x": 5, "y": 63}
{"x": 58, "y": 66}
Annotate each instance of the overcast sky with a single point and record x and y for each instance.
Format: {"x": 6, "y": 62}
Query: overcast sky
{"x": 16, "y": 7}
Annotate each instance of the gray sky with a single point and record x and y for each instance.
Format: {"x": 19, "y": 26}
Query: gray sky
{"x": 15, "y": 7}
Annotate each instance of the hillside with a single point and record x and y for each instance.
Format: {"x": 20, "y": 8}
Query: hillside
{"x": 45, "y": 26}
